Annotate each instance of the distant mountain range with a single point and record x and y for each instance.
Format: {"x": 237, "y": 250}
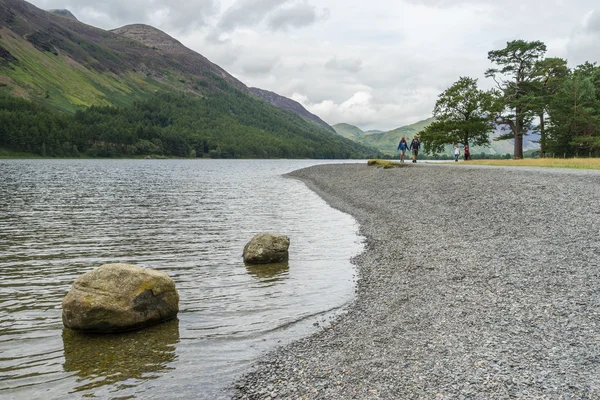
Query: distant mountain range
{"x": 51, "y": 58}
{"x": 387, "y": 142}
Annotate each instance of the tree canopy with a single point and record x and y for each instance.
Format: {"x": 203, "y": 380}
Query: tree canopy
{"x": 532, "y": 93}
{"x": 461, "y": 113}
{"x": 514, "y": 79}
{"x": 228, "y": 125}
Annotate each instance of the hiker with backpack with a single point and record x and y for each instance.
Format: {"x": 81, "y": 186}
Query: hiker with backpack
{"x": 415, "y": 145}
{"x": 402, "y": 146}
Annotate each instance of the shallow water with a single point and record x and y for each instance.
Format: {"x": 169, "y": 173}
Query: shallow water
{"x": 191, "y": 219}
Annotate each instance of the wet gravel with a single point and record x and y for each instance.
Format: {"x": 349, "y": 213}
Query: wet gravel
{"x": 477, "y": 283}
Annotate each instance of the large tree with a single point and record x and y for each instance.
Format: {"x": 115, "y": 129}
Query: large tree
{"x": 550, "y": 74}
{"x": 575, "y": 113}
{"x": 515, "y": 77}
{"x": 461, "y": 114}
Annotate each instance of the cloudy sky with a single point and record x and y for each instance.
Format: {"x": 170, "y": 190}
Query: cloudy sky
{"x": 376, "y": 64}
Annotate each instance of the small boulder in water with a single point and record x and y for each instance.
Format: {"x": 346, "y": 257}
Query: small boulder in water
{"x": 267, "y": 248}
{"x": 119, "y": 297}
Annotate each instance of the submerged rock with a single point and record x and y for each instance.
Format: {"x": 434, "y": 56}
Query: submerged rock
{"x": 119, "y": 297}
{"x": 266, "y": 248}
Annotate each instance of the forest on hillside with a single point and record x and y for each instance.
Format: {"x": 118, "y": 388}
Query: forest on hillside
{"x": 228, "y": 125}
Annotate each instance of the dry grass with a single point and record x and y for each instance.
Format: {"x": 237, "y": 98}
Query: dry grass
{"x": 385, "y": 164}
{"x": 577, "y": 163}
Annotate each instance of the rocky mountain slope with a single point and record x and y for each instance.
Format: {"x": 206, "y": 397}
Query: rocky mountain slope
{"x": 83, "y": 65}
{"x": 288, "y": 104}
{"x": 63, "y": 13}
{"x": 56, "y": 61}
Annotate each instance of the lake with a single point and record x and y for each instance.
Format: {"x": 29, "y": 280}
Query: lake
{"x": 189, "y": 218}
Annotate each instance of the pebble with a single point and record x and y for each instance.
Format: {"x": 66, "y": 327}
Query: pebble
{"x": 476, "y": 283}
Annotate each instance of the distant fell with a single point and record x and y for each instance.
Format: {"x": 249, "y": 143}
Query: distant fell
{"x": 288, "y": 104}
{"x": 63, "y": 13}
{"x": 349, "y": 131}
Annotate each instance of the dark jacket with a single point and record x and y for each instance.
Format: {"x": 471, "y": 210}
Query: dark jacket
{"x": 415, "y": 145}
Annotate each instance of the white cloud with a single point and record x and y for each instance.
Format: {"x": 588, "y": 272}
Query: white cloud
{"x": 109, "y": 14}
{"x": 344, "y": 64}
{"x": 294, "y": 16}
{"x": 378, "y": 64}
{"x": 582, "y": 44}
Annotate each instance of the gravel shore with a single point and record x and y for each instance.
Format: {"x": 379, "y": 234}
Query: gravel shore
{"x": 476, "y": 283}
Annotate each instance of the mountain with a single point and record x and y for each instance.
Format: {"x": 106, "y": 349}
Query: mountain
{"x": 140, "y": 73}
{"x": 349, "y": 132}
{"x": 67, "y": 64}
{"x": 387, "y": 142}
{"x": 63, "y": 13}
{"x": 374, "y": 131}
{"x": 288, "y": 104}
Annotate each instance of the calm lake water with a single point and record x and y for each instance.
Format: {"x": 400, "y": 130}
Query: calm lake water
{"x": 191, "y": 219}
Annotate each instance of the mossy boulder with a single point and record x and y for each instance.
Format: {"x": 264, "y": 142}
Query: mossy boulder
{"x": 267, "y": 248}
{"x": 119, "y": 297}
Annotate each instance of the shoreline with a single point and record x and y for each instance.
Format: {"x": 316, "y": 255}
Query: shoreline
{"x": 464, "y": 288}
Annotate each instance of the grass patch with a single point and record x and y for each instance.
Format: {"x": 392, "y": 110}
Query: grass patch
{"x": 5, "y": 153}
{"x": 385, "y": 164}
{"x": 576, "y": 163}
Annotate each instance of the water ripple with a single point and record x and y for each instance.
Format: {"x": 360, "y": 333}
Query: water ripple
{"x": 61, "y": 218}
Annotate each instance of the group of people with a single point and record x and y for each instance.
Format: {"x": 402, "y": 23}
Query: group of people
{"x": 415, "y": 146}
{"x": 467, "y": 152}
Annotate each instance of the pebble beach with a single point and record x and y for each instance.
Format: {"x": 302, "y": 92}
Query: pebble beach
{"x": 476, "y": 283}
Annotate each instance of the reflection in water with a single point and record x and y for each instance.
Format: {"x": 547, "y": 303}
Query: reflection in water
{"x": 191, "y": 219}
{"x": 109, "y": 359}
{"x": 273, "y": 272}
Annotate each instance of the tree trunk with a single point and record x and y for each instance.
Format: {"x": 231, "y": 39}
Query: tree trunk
{"x": 518, "y": 132}
{"x": 518, "y": 146}
{"x": 542, "y": 135}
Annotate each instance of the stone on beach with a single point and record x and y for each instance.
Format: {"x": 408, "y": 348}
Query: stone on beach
{"x": 119, "y": 297}
{"x": 267, "y": 248}
{"x": 465, "y": 289}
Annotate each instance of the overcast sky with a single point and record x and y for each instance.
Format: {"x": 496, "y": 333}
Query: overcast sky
{"x": 376, "y": 64}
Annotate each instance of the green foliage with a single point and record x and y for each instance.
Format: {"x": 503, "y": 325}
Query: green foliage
{"x": 224, "y": 125}
{"x": 514, "y": 77}
{"x": 462, "y": 116}
{"x": 575, "y": 116}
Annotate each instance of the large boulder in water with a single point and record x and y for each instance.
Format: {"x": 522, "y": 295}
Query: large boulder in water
{"x": 119, "y": 297}
{"x": 267, "y": 248}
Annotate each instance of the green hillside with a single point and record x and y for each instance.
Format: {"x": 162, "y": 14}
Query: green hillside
{"x": 387, "y": 142}
{"x": 69, "y": 89}
{"x": 231, "y": 125}
{"x": 349, "y": 131}
{"x": 68, "y": 65}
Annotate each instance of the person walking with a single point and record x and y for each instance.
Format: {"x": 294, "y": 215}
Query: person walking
{"x": 402, "y": 146}
{"x": 467, "y": 153}
{"x": 456, "y": 153}
{"x": 415, "y": 145}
